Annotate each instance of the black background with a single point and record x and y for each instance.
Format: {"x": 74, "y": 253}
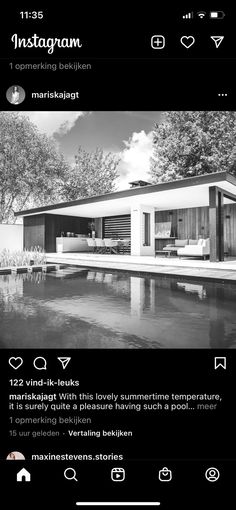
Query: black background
{"x": 187, "y": 442}
{"x": 126, "y": 72}
{"x": 128, "y": 75}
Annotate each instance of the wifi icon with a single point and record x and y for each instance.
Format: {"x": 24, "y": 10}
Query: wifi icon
{"x": 201, "y": 14}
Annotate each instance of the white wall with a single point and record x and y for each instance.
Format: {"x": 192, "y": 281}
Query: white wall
{"x": 137, "y": 230}
{"x": 11, "y": 237}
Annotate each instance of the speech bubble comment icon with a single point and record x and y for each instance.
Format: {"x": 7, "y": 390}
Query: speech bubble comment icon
{"x": 40, "y": 363}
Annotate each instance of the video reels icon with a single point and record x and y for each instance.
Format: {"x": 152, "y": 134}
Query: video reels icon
{"x": 118, "y": 474}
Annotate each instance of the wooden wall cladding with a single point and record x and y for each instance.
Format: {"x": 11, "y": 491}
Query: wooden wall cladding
{"x": 230, "y": 228}
{"x": 42, "y": 229}
{"x": 34, "y": 231}
{"x": 194, "y": 223}
{"x": 55, "y": 224}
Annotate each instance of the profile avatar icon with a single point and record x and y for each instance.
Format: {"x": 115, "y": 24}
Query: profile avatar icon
{"x": 15, "y": 456}
{"x": 212, "y": 474}
{"x": 15, "y": 95}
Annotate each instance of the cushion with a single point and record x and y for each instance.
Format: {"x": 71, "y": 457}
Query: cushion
{"x": 181, "y": 242}
{"x": 192, "y": 241}
{"x": 200, "y": 242}
{"x": 192, "y": 251}
{"x": 206, "y": 242}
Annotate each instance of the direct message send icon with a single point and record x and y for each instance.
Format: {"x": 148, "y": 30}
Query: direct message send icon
{"x": 217, "y": 39}
{"x": 64, "y": 360}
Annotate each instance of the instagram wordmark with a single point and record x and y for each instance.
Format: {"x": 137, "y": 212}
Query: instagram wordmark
{"x": 40, "y": 42}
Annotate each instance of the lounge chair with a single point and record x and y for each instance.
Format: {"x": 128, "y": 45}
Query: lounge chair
{"x": 201, "y": 249}
{"x": 124, "y": 245}
{"x": 91, "y": 243}
{"x": 100, "y": 245}
{"x": 111, "y": 245}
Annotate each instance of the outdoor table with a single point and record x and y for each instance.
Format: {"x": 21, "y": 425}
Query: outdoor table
{"x": 167, "y": 253}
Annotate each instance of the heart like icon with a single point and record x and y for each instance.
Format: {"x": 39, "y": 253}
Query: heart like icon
{"x": 187, "y": 41}
{"x": 15, "y": 362}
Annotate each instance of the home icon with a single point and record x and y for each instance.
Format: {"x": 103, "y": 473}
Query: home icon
{"x": 23, "y": 476}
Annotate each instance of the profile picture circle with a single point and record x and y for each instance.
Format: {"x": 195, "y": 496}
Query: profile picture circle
{"x": 15, "y": 94}
{"x": 15, "y": 456}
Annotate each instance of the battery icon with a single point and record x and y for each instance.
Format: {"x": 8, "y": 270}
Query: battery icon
{"x": 217, "y": 14}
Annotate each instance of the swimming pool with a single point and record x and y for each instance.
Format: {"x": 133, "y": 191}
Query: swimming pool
{"x": 89, "y": 308}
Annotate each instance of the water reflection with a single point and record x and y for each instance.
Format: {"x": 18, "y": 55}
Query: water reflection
{"x": 82, "y": 308}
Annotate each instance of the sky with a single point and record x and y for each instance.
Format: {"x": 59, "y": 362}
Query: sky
{"x": 128, "y": 134}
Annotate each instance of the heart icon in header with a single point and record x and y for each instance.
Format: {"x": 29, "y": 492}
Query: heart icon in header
{"x": 187, "y": 41}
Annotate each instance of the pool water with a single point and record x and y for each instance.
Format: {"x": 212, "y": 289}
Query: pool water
{"x": 86, "y": 308}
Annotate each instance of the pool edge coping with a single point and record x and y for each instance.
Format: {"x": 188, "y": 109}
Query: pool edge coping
{"x": 208, "y": 279}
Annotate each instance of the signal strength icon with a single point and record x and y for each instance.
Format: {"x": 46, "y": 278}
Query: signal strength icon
{"x": 189, "y": 15}
{"x": 201, "y": 14}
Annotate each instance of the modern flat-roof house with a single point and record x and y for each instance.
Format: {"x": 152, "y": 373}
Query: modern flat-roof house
{"x": 149, "y": 215}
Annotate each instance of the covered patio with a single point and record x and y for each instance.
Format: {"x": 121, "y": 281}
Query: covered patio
{"x": 201, "y": 208}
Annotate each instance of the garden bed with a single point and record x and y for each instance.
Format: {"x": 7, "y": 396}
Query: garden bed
{"x": 26, "y": 261}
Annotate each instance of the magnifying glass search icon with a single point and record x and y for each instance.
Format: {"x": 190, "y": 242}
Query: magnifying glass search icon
{"x": 70, "y": 474}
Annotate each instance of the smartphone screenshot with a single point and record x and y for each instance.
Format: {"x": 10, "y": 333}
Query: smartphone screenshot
{"x": 117, "y": 256}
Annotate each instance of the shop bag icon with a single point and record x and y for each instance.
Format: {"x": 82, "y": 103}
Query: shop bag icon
{"x": 165, "y": 475}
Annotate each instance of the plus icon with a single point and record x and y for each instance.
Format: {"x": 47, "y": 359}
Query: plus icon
{"x": 158, "y": 42}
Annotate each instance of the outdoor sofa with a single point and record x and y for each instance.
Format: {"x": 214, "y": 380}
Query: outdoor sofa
{"x": 179, "y": 243}
{"x": 201, "y": 249}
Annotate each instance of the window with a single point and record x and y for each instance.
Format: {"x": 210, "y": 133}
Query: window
{"x": 146, "y": 222}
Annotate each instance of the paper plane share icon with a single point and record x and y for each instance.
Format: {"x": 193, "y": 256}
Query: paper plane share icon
{"x": 64, "y": 361}
{"x": 217, "y": 39}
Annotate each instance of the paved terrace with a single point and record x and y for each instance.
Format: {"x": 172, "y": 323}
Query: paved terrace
{"x": 172, "y": 266}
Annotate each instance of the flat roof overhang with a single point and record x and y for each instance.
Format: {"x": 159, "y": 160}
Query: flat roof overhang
{"x": 180, "y": 194}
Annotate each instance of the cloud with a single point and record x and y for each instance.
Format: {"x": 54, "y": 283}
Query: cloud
{"x": 54, "y": 122}
{"x": 135, "y": 159}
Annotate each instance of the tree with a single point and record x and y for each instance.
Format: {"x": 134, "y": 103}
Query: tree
{"x": 31, "y": 169}
{"x": 94, "y": 173}
{"x": 193, "y": 143}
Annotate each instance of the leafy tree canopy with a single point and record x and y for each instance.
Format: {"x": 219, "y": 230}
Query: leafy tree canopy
{"x": 34, "y": 173}
{"x": 193, "y": 143}
{"x": 94, "y": 173}
{"x": 31, "y": 169}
